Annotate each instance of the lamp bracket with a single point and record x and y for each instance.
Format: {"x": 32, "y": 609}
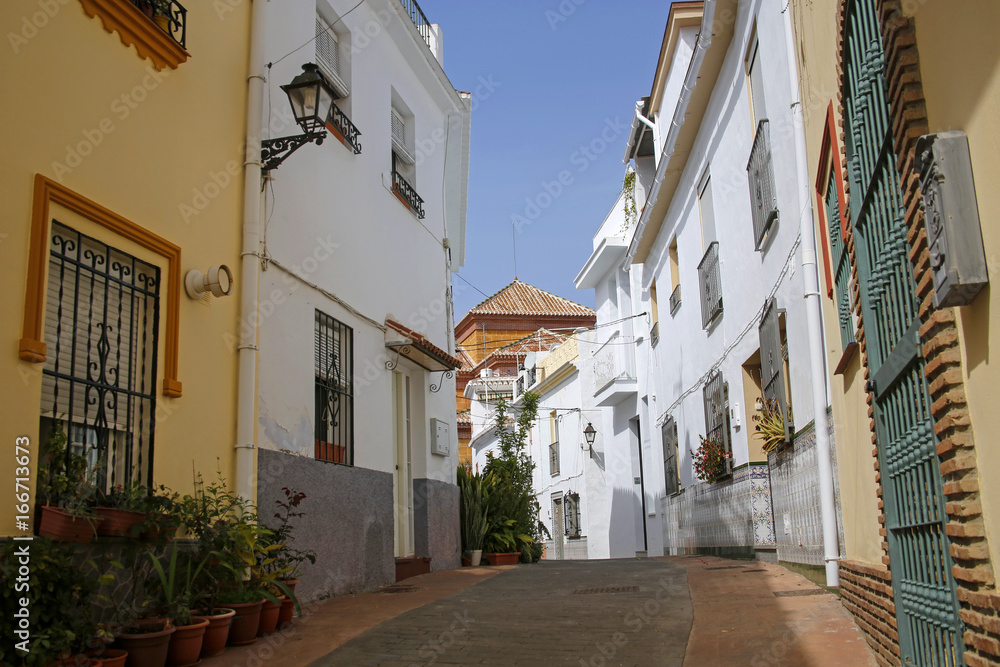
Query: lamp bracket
{"x": 274, "y": 151}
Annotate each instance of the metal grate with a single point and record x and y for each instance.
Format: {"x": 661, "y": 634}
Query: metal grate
{"x": 930, "y": 629}
{"x": 772, "y": 358}
{"x": 339, "y": 120}
{"x": 334, "y": 367}
{"x": 606, "y": 590}
{"x": 571, "y": 502}
{"x": 716, "y": 396}
{"x": 670, "y": 471}
{"x": 763, "y": 194}
{"x": 99, "y": 378}
{"x": 407, "y": 194}
{"x": 169, "y": 15}
{"x": 726, "y": 567}
{"x": 675, "y": 299}
{"x": 758, "y": 569}
{"x": 800, "y": 593}
{"x": 711, "y": 285}
{"x": 399, "y": 588}
{"x": 554, "y": 459}
{"x": 327, "y": 47}
{"x": 841, "y": 262}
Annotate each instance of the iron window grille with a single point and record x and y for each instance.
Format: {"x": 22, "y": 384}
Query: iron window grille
{"x": 654, "y": 334}
{"x": 532, "y": 376}
{"x": 763, "y": 193}
{"x": 571, "y": 507}
{"x": 675, "y": 299}
{"x": 554, "y": 459}
{"x": 716, "y": 397}
{"x": 670, "y": 471}
{"x": 772, "y": 362}
{"x": 169, "y": 15}
{"x": 339, "y": 120}
{"x": 406, "y": 192}
{"x": 709, "y": 277}
{"x": 520, "y": 386}
{"x": 841, "y": 263}
{"x": 99, "y": 380}
{"x": 334, "y": 366}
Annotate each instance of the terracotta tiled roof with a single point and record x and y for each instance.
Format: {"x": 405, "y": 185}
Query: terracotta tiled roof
{"x": 519, "y": 298}
{"x": 464, "y": 417}
{"x": 463, "y": 356}
{"x": 422, "y": 343}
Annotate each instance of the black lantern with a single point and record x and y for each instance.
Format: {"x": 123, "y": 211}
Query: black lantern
{"x": 590, "y": 433}
{"x": 311, "y": 98}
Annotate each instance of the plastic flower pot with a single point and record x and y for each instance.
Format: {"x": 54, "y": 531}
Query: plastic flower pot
{"x": 147, "y": 644}
{"x": 245, "y": 623}
{"x": 117, "y": 523}
{"x": 287, "y": 612}
{"x": 64, "y": 527}
{"x": 268, "y": 617}
{"x": 112, "y": 658}
{"x": 216, "y": 632}
{"x": 185, "y": 644}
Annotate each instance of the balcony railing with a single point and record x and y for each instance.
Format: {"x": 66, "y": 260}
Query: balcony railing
{"x": 520, "y": 386}
{"x": 613, "y": 360}
{"x": 409, "y": 196}
{"x": 763, "y": 195}
{"x": 711, "y": 285}
{"x": 675, "y": 299}
{"x": 532, "y": 376}
{"x": 344, "y": 127}
{"x": 169, "y": 15}
{"x": 419, "y": 19}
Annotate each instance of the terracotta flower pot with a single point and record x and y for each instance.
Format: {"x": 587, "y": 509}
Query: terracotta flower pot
{"x": 59, "y": 525}
{"x": 147, "y": 647}
{"x": 287, "y": 612}
{"x": 245, "y": 623}
{"x": 503, "y": 559}
{"x": 216, "y": 632}
{"x": 290, "y": 583}
{"x": 112, "y": 658}
{"x": 117, "y": 523}
{"x": 185, "y": 644}
{"x": 268, "y": 617}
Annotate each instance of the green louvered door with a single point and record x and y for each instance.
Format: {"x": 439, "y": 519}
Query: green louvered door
{"x": 924, "y": 590}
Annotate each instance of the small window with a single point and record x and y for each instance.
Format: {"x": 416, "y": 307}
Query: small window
{"x": 334, "y": 368}
{"x": 671, "y": 472}
{"x": 553, "y": 426}
{"x": 554, "y": 459}
{"x": 329, "y": 56}
{"x": 716, "y": 397}
{"x": 707, "y": 211}
{"x": 571, "y": 502}
{"x": 675, "y": 278}
{"x": 400, "y": 137}
{"x": 756, "y": 84}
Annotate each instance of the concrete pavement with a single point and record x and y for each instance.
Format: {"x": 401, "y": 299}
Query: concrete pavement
{"x": 691, "y": 611}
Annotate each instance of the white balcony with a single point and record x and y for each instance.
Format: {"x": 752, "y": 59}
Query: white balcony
{"x": 614, "y": 371}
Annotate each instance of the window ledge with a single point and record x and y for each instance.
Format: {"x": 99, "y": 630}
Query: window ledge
{"x": 845, "y": 359}
{"x": 135, "y": 28}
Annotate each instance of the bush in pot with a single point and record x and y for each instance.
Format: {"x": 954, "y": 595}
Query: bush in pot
{"x": 288, "y": 559}
{"x": 473, "y": 512}
{"x": 65, "y": 483}
{"x": 123, "y": 509}
{"x": 175, "y": 597}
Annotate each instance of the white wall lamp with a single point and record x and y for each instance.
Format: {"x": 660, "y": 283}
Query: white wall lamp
{"x": 218, "y": 280}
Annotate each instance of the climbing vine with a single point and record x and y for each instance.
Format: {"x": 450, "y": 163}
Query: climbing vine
{"x": 628, "y": 190}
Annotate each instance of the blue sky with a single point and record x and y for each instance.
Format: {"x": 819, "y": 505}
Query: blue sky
{"x": 554, "y": 81}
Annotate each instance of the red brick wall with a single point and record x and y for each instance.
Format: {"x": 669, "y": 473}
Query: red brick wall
{"x": 866, "y": 591}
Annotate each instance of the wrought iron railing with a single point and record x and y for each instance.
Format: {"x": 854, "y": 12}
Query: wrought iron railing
{"x": 654, "y": 334}
{"x": 532, "y": 376}
{"x": 408, "y": 194}
{"x": 520, "y": 386}
{"x": 554, "y": 459}
{"x": 339, "y": 120}
{"x": 419, "y": 19}
{"x": 763, "y": 195}
{"x": 711, "y": 285}
{"x": 169, "y": 15}
{"x": 675, "y": 299}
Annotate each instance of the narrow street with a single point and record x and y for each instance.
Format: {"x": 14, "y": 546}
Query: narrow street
{"x": 690, "y": 611}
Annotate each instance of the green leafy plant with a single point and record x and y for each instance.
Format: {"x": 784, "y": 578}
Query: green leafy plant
{"x": 289, "y": 559}
{"x": 512, "y": 510}
{"x": 770, "y": 425}
{"x": 473, "y": 511}
{"x": 628, "y": 192}
{"x": 710, "y": 459}
{"x": 176, "y": 597}
{"x": 126, "y": 497}
{"x": 64, "y": 478}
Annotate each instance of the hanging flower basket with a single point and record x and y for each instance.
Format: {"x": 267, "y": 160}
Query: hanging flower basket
{"x": 711, "y": 460}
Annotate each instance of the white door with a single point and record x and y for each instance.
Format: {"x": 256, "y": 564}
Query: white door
{"x": 401, "y": 479}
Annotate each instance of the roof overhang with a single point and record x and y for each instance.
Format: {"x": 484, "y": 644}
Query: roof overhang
{"x": 674, "y": 160}
{"x": 408, "y": 343}
{"x": 609, "y": 252}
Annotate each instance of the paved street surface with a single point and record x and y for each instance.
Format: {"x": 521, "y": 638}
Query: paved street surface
{"x": 623, "y": 612}
{"x": 695, "y": 611}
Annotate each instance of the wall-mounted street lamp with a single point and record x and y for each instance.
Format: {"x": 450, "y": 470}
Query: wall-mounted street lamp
{"x": 590, "y": 433}
{"x": 311, "y": 98}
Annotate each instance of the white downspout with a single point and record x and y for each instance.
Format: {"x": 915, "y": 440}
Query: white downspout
{"x": 690, "y": 82}
{"x": 247, "y": 384}
{"x": 814, "y": 322}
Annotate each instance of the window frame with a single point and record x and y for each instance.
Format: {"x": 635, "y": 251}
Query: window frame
{"x": 328, "y": 392}
{"x": 669, "y": 439}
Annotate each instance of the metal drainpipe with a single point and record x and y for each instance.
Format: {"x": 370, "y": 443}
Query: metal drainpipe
{"x": 247, "y": 383}
{"x": 814, "y": 320}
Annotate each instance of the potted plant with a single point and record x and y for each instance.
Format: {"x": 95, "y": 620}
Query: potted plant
{"x": 123, "y": 509}
{"x": 711, "y": 460}
{"x": 175, "y": 598}
{"x": 287, "y": 559}
{"x": 473, "y": 514}
{"x": 161, "y": 14}
{"x": 147, "y": 641}
{"x": 66, "y": 487}
{"x": 770, "y": 425}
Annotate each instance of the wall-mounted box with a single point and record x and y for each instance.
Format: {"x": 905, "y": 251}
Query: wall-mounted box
{"x": 440, "y": 437}
{"x": 951, "y": 217}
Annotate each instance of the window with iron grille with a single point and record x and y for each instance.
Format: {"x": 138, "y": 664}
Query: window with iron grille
{"x": 841, "y": 263}
{"x": 571, "y": 503}
{"x": 716, "y": 396}
{"x": 334, "y": 366}
{"x": 760, "y": 176}
{"x": 710, "y": 280}
{"x": 99, "y": 378}
{"x": 554, "y": 459}
{"x": 670, "y": 470}
{"x": 328, "y": 56}
{"x": 772, "y": 361}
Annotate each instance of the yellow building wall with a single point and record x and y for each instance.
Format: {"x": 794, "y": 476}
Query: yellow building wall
{"x": 83, "y": 109}
{"x": 815, "y": 28}
{"x": 960, "y": 70}
{"x": 494, "y": 340}
{"x": 568, "y": 351}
